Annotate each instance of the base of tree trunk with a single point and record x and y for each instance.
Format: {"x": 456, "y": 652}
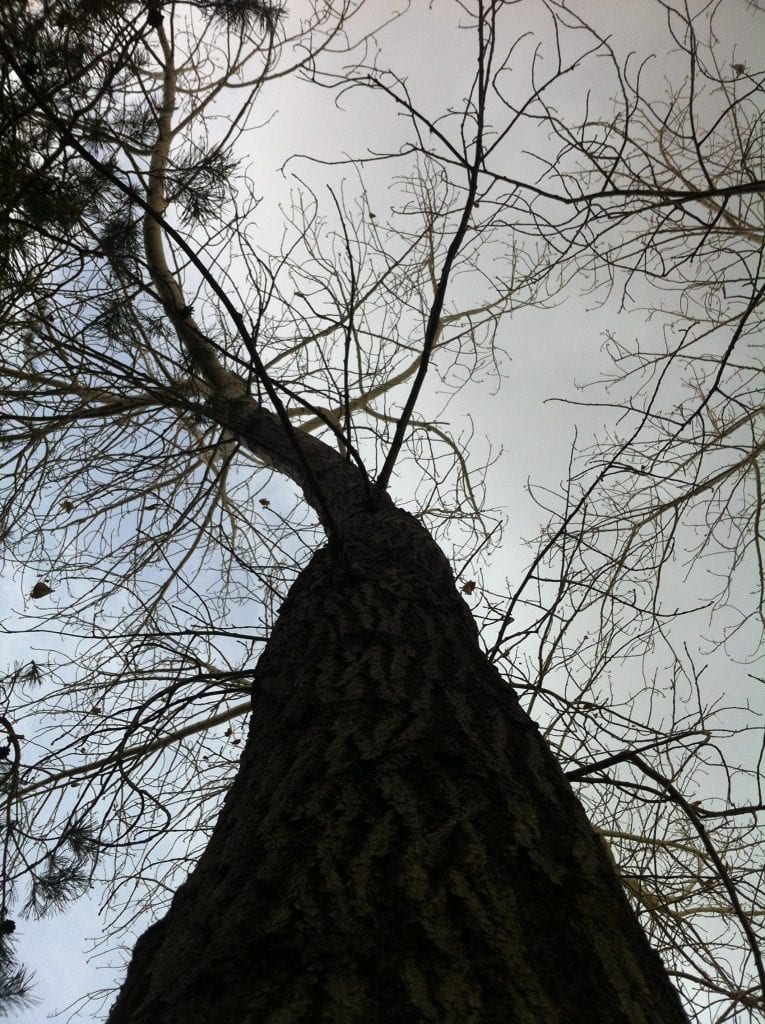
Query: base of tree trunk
{"x": 399, "y": 844}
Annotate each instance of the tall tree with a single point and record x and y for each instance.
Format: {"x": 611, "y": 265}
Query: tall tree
{"x": 397, "y": 842}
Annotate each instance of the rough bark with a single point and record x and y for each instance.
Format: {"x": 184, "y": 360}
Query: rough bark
{"x": 399, "y": 844}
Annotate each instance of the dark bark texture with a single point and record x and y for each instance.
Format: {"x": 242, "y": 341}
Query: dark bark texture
{"x": 399, "y": 844}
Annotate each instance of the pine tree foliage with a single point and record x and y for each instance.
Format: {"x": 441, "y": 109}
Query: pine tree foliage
{"x": 16, "y": 982}
{"x": 244, "y": 14}
{"x": 200, "y": 182}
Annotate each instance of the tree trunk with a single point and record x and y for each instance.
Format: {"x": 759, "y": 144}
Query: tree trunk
{"x": 399, "y": 844}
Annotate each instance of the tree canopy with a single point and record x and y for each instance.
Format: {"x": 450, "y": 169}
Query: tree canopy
{"x": 154, "y": 268}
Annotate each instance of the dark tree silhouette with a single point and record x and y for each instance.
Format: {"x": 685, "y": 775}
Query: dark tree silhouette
{"x": 397, "y": 841}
